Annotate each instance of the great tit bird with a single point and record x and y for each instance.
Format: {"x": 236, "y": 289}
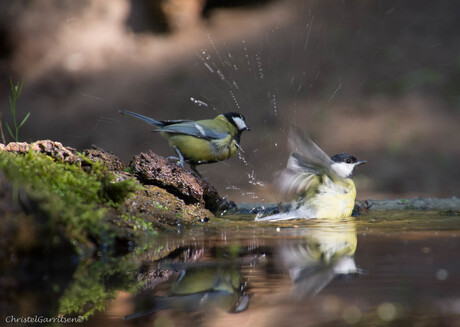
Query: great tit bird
{"x": 322, "y": 185}
{"x": 327, "y": 253}
{"x": 202, "y": 141}
{"x": 200, "y": 287}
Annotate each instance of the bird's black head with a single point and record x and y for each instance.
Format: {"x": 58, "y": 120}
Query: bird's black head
{"x": 237, "y": 120}
{"x": 344, "y": 157}
{"x": 344, "y": 164}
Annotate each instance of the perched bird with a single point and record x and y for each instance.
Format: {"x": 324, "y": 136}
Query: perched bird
{"x": 322, "y": 185}
{"x": 202, "y": 141}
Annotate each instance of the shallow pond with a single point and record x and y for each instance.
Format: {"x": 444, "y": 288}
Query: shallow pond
{"x": 379, "y": 269}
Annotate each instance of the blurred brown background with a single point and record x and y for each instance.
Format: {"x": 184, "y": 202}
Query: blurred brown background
{"x": 378, "y": 79}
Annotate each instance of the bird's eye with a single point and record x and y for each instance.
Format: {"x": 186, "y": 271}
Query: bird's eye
{"x": 348, "y": 161}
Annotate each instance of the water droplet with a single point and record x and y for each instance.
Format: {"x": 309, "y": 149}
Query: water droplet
{"x": 221, "y": 75}
{"x": 273, "y": 101}
{"x": 234, "y": 99}
{"x": 335, "y": 92}
{"x": 209, "y": 67}
{"x": 199, "y": 102}
{"x": 259, "y": 66}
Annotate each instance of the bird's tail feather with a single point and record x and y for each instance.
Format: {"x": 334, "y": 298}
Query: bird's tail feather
{"x": 148, "y": 120}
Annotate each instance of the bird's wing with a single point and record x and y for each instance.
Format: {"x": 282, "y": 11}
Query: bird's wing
{"x": 193, "y": 129}
{"x": 175, "y": 121}
{"x": 305, "y": 162}
{"x": 308, "y": 155}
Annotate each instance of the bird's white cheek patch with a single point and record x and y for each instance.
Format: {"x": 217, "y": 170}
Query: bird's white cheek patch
{"x": 343, "y": 169}
{"x": 240, "y": 123}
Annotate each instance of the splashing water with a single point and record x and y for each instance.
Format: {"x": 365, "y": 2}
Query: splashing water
{"x": 259, "y": 66}
{"x": 335, "y": 92}
{"x": 214, "y": 47}
{"x": 204, "y": 56}
{"x": 241, "y": 157}
{"x": 220, "y": 74}
{"x": 234, "y": 99}
{"x": 273, "y": 102}
{"x": 251, "y": 194}
{"x": 92, "y": 97}
{"x": 253, "y": 180}
{"x": 230, "y": 71}
{"x": 246, "y": 55}
{"x": 309, "y": 25}
{"x": 304, "y": 213}
{"x": 199, "y": 102}
{"x": 209, "y": 67}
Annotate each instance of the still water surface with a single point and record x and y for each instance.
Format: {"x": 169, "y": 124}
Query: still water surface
{"x": 375, "y": 270}
{"x": 379, "y": 269}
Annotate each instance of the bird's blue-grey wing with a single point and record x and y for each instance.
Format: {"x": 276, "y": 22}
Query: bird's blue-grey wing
{"x": 175, "y": 121}
{"x": 193, "y": 129}
{"x": 305, "y": 161}
{"x": 308, "y": 155}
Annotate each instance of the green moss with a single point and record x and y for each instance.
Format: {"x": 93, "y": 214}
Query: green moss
{"x": 139, "y": 223}
{"x": 73, "y": 198}
{"x": 94, "y": 284}
{"x": 159, "y": 206}
{"x": 128, "y": 170}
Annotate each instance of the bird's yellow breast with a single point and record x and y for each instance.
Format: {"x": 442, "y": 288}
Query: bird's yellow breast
{"x": 198, "y": 150}
{"x": 332, "y": 199}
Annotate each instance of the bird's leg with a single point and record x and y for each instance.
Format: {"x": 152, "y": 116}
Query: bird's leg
{"x": 181, "y": 162}
{"x": 181, "y": 157}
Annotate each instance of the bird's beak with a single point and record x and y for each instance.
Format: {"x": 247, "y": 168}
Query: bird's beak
{"x": 360, "y": 162}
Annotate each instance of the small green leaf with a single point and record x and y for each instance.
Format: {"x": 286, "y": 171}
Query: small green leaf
{"x": 12, "y": 85}
{"x": 24, "y": 120}
{"x": 18, "y": 93}
{"x": 9, "y": 131}
{"x": 16, "y": 90}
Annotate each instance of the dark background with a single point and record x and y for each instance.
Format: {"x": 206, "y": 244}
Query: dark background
{"x": 377, "y": 79}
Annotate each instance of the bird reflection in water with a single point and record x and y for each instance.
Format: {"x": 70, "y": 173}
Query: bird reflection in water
{"x": 327, "y": 253}
{"x": 199, "y": 286}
